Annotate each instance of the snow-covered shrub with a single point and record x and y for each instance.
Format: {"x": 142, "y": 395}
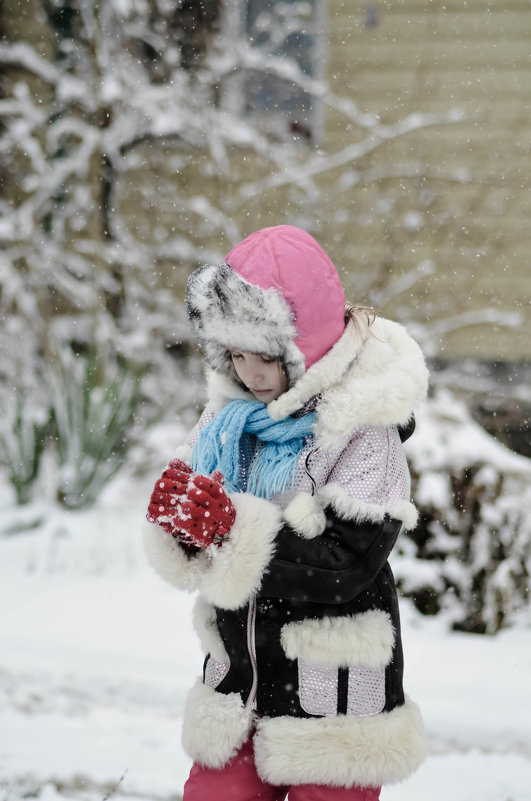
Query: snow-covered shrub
{"x": 470, "y": 555}
{"x": 85, "y": 413}
{"x": 23, "y": 431}
{"x": 93, "y": 410}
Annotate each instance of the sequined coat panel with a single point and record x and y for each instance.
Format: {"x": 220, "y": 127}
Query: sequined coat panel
{"x": 372, "y": 468}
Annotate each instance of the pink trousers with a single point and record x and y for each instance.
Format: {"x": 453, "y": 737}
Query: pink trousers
{"x": 239, "y": 781}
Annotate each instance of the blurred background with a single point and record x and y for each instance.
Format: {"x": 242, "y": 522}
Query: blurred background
{"x": 140, "y": 139}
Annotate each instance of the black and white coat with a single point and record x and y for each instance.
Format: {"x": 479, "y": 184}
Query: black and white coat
{"x": 297, "y": 612}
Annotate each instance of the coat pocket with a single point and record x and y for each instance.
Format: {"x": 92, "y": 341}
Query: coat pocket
{"x": 214, "y": 672}
{"x": 352, "y": 690}
{"x": 341, "y": 662}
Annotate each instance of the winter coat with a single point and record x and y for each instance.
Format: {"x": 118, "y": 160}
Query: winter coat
{"x": 297, "y": 612}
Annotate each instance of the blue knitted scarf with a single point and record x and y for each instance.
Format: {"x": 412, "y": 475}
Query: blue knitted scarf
{"x": 224, "y": 440}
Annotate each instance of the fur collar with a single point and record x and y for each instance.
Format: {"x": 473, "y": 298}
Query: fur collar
{"x": 365, "y": 379}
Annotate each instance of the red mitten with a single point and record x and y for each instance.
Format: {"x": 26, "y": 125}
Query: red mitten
{"x": 162, "y": 508}
{"x": 172, "y": 484}
{"x": 177, "y": 466}
{"x": 207, "y": 513}
{"x": 191, "y": 507}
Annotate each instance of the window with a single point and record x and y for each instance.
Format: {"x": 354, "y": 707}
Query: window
{"x": 283, "y": 47}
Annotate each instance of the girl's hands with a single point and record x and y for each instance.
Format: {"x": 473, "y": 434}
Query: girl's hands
{"x": 193, "y": 508}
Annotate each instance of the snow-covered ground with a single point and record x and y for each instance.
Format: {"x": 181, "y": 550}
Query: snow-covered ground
{"x": 96, "y": 655}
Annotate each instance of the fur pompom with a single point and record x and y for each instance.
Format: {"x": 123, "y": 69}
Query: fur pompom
{"x": 305, "y": 515}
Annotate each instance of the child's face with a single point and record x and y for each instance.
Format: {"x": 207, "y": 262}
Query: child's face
{"x": 262, "y": 375}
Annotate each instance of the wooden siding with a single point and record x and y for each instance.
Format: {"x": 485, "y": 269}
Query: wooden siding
{"x": 455, "y": 198}
{"x": 471, "y": 197}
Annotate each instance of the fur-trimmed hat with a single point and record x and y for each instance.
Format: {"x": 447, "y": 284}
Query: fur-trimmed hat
{"x": 277, "y": 293}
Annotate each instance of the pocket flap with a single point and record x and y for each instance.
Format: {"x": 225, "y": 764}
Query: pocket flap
{"x": 366, "y": 639}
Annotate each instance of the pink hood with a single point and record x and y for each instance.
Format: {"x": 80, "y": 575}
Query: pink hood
{"x": 289, "y": 260}
{"x": 277, "y": 293}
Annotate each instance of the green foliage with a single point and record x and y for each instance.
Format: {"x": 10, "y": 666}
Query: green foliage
{"x": 93, "y": 409}
{"x": 84, "y": 419}
{"x": 22, "y": 441}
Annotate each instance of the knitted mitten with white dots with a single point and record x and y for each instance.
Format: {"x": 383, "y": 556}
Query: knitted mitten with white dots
{"x": 193, "y": 508}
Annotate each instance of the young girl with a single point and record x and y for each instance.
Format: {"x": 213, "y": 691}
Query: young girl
{"x": 281, "y": 511}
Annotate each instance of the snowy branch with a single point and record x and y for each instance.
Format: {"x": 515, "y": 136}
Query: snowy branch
{"x": 396, "y": 286}
{"x": 431, "y": 332}
{"x": 21, "y": 54}
{"x": 352, "y": 153}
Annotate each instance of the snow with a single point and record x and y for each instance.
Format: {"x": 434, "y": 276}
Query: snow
{"x": 450, "y": 437}
{"x": 97, "y": 654}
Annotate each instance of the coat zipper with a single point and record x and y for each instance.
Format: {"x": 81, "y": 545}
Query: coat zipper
{"x": 251, "y": 648}
{"x": 307, "y": 468}
{"x": 251, "y": 617}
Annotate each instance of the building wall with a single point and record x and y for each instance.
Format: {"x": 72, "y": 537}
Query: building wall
{"x": 429, "y": 224}
{"x": 455, "y": 196}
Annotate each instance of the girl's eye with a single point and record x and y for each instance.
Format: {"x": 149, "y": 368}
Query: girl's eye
{"x": 267, "y": 359}
{"x": 235, "y": 356}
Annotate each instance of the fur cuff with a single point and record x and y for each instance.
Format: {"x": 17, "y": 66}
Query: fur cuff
{"x": 170, "y": 561}
{"x": 235, "y": 569}
{"x": 226, "y": 576}
{"x": 214, "y": 725}
{"x": 349, "y": 508}
{"x": 341, "y": 751}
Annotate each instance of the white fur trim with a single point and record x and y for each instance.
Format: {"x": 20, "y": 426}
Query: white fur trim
{"x": 305, "y": 515}
{"x": 226, "y": 576}
{"x": 171, "y": 561}
{"x": 341, "y": 751}
{"x": 350, "y": 508}
{"x": 374, "y": 379}
{"x": 236, "y": 568}
{"x": 406, "y": 512}
{"x": 226, "y": 312}
{"x": 320, "y": 376}
{"x": 184, "y": 452}
{"x": 221, "y": 389}
{"x": 204, "y": 620}
{"x": 214, "y": 725}
{"x": 366, "y": 639}
{"x": 387, "y": 382}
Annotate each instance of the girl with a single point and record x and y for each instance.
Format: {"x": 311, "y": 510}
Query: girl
{"x": 281, "y": 511}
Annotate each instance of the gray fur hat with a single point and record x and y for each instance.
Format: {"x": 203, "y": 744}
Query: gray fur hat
{"x": 227, "y": 312}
